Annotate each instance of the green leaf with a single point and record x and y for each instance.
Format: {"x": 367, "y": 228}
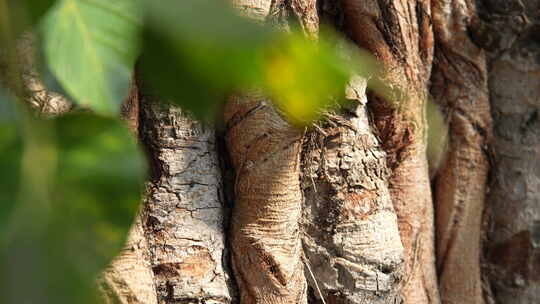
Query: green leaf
{"x": 194, "y": 51}
{"x": 91, "y": 47}
{"x": 197, "y": 51}
{"x": 305, "y": 77}
{"x": 79, "y": 185}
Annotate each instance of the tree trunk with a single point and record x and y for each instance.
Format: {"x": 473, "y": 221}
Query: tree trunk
{"x": 342, "y": 212}
{"x": 459, "y": 87}
{"x": 129, "y": 278}
{"x": 351, "y": 238}
{"x": 184, "y": 208}
{"x": 510, "y": 31}
{"x": 265, "y": 152}
{"x": 399, "y": 34}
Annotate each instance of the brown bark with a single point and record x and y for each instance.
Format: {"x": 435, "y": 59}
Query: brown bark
{"x": 266, "y": 248}
{"x": 351, "y": 239}
{"x": 509, "y": 31}
{"x": 399, "y": 34}
{"x": 129, "y": 279}
{"x": 265, "y": 152}
{"x": 459, "y": 87}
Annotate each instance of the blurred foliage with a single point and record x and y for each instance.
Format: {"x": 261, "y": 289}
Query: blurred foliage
{"x": 197, "y": 51}
{"x": 305, "y": 77}
{"x": 437, "y": 136}
{"x": 70, "y": 189}
{"x": 91, "y": 47}
{"x": 17, "y": 16}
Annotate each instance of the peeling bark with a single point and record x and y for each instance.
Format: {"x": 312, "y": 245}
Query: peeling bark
{"x": 351, "y": 239}
{"x": 265, "y": 152}
{"x": 509, "y": 30}
{"x": 459, "y": 87}
{"x": 184, "y": 211}
{"x": 399, "y": 34}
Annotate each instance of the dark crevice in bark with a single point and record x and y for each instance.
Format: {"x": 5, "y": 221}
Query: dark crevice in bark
{"x": 390, "y": 28}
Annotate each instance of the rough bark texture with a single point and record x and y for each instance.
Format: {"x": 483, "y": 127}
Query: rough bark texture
{"x": 399, "y": 34}
{"x": 184, "y": 210}
{"x": 510, "y": 31}
{"x": 351, "y": 238}
{"x": 459, "y": 87}
{"x": 265, "y": 152}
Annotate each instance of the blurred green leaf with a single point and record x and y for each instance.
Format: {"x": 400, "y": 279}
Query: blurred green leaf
{"x": 17, "y": 16}
{"x": 31, "y": 10}
{"x": 10, "y": 151}
{"x": 196, "y": 50}
{"x": 437, "y": 135}
{"x": 91, "y": 47}
{"x": 305, "y": 77}
{"x": 76, "y": 181}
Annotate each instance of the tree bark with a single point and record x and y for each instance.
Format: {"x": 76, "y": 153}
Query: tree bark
{"x": 399, "y": 34}
{"x": 459, "y": 87}
{"x": 184, "y": 210}
{"x": 351, "y": 238}
{"x": 265, "y": 152}
{"x": 342, "y": 212}
{"x": 509, "y": 30}
{"x": 129, "y": 278}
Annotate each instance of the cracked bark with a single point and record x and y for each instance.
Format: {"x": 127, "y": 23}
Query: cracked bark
{"x": 459, "y": 87}
{"x": 399, "y": 34}
{"x": 351, "y": 238}
{"x": 184, "y": 212}
{"x": 509, "y": 31}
